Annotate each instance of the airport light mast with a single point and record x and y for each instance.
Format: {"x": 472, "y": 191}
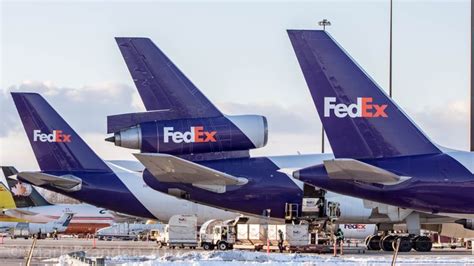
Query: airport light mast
{"x": 472, "y": 83}
{"x": 325, "y": 23}
{"x": 390, "y": 54}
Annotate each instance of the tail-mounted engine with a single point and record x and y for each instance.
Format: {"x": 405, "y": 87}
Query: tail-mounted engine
{"x": 201, "y": 135}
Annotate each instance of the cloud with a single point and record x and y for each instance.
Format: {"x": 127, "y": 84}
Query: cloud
{"x": 86, "y": 108}
{"x": 447, "y": 125}
{"x": 293, "y": 119}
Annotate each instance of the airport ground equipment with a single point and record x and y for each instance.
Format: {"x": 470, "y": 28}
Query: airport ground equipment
{"x": 127, "y": 231}
{"x": 181, "y": 231}
{"x": 255, "y": 236}
{"x": 221, "y": 234}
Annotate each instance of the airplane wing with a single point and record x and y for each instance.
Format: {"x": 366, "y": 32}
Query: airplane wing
{"x": 168, "y": 168}
{"x": 64, "y": 182}
{"x": 125, "y": 218}
{"x": 18, "y": 212}
{"x": 350, "y": 169}
{"x": 129, "y": 165}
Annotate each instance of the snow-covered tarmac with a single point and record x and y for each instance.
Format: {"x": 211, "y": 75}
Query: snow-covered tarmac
{"x": 251, "y": 258}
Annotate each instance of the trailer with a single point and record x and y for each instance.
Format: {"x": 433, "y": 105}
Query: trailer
{"x": 181, "y": 231}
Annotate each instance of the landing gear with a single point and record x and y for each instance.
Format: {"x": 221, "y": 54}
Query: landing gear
{"x": 405, "y": 244}
{"x": 422, "y": 244}
{"x": 386, "y": 243}
{"x": 373, "y": 242}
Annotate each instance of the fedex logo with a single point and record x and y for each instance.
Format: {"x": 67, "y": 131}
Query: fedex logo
{"x": 355, "y": 226}
{"x": 363, "y": 108}
{"x": 196, "y": 134}
{"x": 56, "y": 136}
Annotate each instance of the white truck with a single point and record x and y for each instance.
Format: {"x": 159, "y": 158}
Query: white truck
{"x": 181, "y": 231}
{"x": 127, "y": 231}
{"x": 220, "y": 234}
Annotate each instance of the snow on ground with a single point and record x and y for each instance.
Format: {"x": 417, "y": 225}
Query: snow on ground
{"x": 252, "y": 258}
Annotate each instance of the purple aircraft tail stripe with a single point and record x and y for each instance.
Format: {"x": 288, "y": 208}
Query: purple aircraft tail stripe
{"x": 336, "y": 80}
{"x": 162, "y": 86}
{"x": 56, "y": 145}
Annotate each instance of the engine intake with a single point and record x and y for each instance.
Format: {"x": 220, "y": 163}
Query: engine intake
{"x": 466, "y": 223}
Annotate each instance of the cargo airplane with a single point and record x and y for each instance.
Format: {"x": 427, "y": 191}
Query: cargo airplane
{"x": 380, "y": 154}
{"x": 22, "y": 229}
{"x": 190, "y": 150}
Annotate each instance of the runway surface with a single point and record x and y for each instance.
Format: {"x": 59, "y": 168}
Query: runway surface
{"x": 51, "y": 252}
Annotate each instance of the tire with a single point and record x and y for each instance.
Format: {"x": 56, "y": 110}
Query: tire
{"x": 386, "y": 242}
{"x": 207, "y": 246}
{"x": 422, "y": 244}
{"x": 373, "y": 242}
{"x": 222, "y": 245}
{"x": 366, "y": 241}
{"x": 159, "y": 244}
{"x": 405, "y": 244}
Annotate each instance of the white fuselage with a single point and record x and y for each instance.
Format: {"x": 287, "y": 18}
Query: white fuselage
{"x": 83, "y": 214}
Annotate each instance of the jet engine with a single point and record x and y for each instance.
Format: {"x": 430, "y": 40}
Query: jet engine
{"x": 200, "y": 135}
{"x": 466, "y": 223}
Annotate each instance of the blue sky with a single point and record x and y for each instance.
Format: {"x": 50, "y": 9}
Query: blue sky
{"x": 238, "y": 54}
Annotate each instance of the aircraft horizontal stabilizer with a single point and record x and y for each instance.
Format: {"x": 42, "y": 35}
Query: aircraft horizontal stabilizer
{"x": 350, "y": 169}
{"x": 64, "y": 182}
{"x": 168, "y": 168}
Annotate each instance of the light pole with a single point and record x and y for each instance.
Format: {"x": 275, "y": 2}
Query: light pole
{"x": 390, "y": 55}
{"x": 324, "y": 23}
{"x": 472, "y": 83}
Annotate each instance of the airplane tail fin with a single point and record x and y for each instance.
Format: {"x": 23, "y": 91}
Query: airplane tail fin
{"x": 64, "y": 220}
{"x": 23, "y": 194}
{"x": 56, "y": 145}
{"x": 360, "y": 120}
{"x": 6, "y": 198}
{"x": 166, "y": 92}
